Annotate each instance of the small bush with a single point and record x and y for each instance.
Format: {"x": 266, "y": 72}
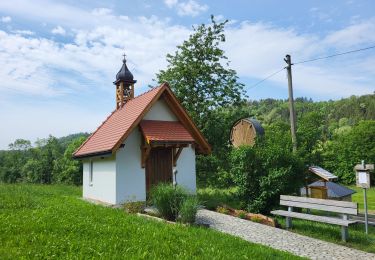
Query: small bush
{"x": 134, "y": 207}
{"x": 256, "y": 219}
{"x": 168, "y": 200}
{"x": 189, "y": 210}
{"x": 222, "y": 210}
{"x": 242, "y": 214}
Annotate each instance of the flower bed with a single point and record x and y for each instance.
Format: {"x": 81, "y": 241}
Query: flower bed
{"x": 259, "y": 218}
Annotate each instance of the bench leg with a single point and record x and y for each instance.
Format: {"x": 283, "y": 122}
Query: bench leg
{"x": 288, "y": 222}
{"x": 344, "y": 230}
{"x": 344, "y": 233}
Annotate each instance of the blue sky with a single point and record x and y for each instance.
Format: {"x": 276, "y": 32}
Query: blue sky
{"x": 59, "y": 58}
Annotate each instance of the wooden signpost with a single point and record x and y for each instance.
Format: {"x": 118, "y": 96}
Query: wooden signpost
{"x": 363, "y": 181}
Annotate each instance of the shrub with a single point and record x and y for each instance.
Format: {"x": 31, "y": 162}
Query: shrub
{"x": 348, "y": 148}
{"x": 222, "y": 210}
{"x": 256, "y": 219}
{"x": 265, "y": 171}
{"x": 242, "y": 214}
{"x": 134, "y": 207}
{"x": 168, "y": 200}
{"x": 189, "y": 210}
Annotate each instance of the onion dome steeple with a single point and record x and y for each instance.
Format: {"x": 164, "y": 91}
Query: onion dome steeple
{"x": 124, "y": 74}
{"x": 124, "y": 85}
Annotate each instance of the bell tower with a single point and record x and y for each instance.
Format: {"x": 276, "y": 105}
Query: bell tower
{"x": 124, "y": 85}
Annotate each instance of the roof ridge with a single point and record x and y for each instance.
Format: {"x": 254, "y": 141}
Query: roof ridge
{"x": 148, "y": 91}
{"x": 105, "y": 120}
{"x": 141, "y": 95}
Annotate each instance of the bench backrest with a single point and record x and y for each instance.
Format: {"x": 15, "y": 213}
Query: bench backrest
{"x": 343, "y": 207}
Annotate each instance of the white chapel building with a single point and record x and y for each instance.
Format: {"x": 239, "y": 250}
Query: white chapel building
{"x": 139, "y": 145}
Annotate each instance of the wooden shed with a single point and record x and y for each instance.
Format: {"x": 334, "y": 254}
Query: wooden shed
{"x": 325, "y": 187}
{"x": 244, "y": 132}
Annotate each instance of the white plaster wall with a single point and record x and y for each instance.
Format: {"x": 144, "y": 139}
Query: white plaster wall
{"x": 160, "y": 111}
{"x": 186, "y": 176}
{"x": 103, "y": 187}
{"x": 121, "y": 178}
{"x": 131, "y": 178}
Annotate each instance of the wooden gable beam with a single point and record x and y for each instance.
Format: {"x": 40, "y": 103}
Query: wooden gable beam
{"x": 145, "y": 153}
{"x": 176, "y": 154}
{"x": 185, "y": 119}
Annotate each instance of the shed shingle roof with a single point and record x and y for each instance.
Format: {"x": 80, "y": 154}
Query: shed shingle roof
{"x": 165, "y": 131}
{"x": 114, "y": 130}
{"x": 334, "y": 190}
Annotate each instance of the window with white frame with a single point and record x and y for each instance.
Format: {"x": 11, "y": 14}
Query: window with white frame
{"x": 91, "y": 169}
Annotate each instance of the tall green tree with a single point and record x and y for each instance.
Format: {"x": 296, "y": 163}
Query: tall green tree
{"x": 44, "y": 155}
{"x": 13, "y": 161}
{"x": 199, "y": 74}
{"x": 65, "y": 168}
{"x": 348, "y": 148}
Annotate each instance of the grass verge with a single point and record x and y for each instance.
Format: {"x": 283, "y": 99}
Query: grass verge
{"x": 332, "y": 233}
{"x": 211, "y": 198}
{"x": 39, "y": 221}
{"x": 358, "y": 197}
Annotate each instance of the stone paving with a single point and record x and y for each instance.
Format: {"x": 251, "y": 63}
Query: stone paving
{"x": 279, "y": 238}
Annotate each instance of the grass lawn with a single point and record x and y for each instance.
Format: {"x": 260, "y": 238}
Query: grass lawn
{"x": 39, "y": 221}
{"x": 358, "y": 197}
{"x": 211, "y": 198}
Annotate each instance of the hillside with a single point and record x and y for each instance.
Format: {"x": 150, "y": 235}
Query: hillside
{"x": 333, "y": 134}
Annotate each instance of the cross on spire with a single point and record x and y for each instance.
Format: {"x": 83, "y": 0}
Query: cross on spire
{"x": 124, "y": 55}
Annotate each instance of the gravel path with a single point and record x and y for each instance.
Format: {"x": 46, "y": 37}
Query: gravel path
{"x": 278, "y": 238}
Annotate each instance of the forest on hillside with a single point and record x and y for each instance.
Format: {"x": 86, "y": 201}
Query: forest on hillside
{"x": 334, "y": 134}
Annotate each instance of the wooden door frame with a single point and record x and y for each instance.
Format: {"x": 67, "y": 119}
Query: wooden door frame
{"x": 149, "y": 182}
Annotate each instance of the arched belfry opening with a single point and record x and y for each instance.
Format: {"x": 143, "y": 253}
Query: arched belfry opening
{"x": 124, "y": 85}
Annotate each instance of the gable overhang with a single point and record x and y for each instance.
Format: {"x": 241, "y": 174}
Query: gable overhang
{"x": 166, "y": 93}
{"x": 100, "y": 154}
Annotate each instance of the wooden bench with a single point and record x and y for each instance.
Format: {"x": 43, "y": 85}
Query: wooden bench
{"x": 344, "y": 208}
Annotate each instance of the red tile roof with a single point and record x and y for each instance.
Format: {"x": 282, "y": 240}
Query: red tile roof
{"x": 165, "y": 131}
{"x": 116, "y": 125}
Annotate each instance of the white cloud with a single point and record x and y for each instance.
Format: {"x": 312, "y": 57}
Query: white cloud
{"x": 360, "y": 33}
{"x": 170, "y": 3}
{"x": 186, "y": 8}
{"x": 101, "y": 11}
{"x": 38, "y": 68}
{"x": 258, "y": 49}
{"x": 6, "y": 19}
{"x": 23, "y": 32}
{"x": 58, "y": 30}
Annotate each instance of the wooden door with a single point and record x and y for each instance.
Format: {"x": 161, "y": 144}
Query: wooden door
{"x": 158, "y": 167}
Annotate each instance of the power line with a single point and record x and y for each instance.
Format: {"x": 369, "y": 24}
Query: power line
{"x": 334, "y": 55}
{"x": 305, "y": 61}
{"x": 269, "y": 76}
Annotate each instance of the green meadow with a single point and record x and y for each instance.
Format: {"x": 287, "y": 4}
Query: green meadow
{"x": 52, "y": 221}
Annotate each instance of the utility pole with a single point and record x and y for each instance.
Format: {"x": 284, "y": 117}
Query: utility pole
{"x": 292, "y": 112}
{"x": 365, "y": 200}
